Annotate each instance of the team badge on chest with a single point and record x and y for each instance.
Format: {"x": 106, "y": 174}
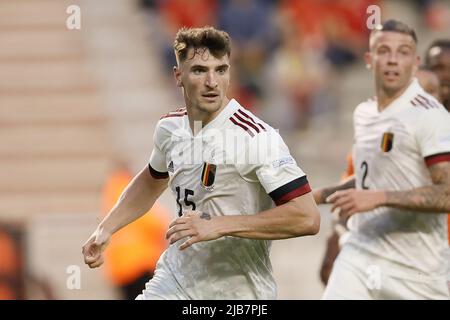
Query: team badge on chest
{"x": 208, "y": 176}
{"x": 387, "y": 142}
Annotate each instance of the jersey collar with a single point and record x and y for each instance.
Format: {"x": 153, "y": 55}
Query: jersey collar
{"x": 220, "y": 119}
{"x": 402, "y": 101}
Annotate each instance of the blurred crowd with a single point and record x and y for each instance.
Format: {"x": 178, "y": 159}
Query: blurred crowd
{"x": 285, "y": 53}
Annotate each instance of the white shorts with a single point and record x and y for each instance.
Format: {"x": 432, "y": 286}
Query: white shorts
{"x": 161, "y": 287}
{"x": 357, "y": 275}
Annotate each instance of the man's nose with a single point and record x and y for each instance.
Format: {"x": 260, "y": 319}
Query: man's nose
{"x": 211, "y": 80}
{"x": 392, "y": 59}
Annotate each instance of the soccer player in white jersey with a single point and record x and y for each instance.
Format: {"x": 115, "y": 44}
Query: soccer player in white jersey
{"x": 396, "y": 203}
{"x": 232, "y": 198}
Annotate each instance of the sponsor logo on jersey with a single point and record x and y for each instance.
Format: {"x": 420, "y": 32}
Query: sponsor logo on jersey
{"x": 208, "y": 175}
{"x": 387, "y": 141}
{"x": 170, "y": 167}
{"x": 283, "y": 161}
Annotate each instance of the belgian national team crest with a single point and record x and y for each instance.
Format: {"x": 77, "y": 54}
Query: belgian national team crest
{"x": 387, "y": 142}
{"x": 208, "y": 175}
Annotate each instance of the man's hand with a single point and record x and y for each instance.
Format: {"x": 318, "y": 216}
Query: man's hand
{"x": 94, "y": 247}
{"x": 352, "y": 201}
{"x": 321, "y": 194}
{"x": 318, "y": 196}
{"x": 197, "y": 226}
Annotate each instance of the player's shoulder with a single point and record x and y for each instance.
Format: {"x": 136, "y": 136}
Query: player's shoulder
{"x": 169, "y": 124}
{"x": 246, "y": 123}
{"x": 172, "y": 119}
{"x": 366, "y": 108}
{"x": 175, "y": 114}
{"x": 424, "y": 112}
{"x": 424, "y": 103}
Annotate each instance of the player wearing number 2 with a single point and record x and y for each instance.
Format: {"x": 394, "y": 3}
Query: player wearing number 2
{"x": 398, "y": 232}
{"x": 225, "y": 190}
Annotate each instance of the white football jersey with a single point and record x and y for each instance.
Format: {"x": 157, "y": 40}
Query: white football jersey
{"x": 392, "y": 150}
{"x": 235, "y": 165}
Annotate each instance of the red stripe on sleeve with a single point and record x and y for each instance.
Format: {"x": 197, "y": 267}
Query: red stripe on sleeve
{"x": 293, "y": 194}
{"x": 441, "y": 157}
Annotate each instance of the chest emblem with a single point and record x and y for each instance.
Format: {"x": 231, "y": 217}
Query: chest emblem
{"x": 208, "y": 175}
{"x": 387, "y": 142}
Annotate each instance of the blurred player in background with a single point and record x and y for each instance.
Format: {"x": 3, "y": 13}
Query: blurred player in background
{"x": 398, "y": 237}
{"x": 221, "y": 241}
{"x": 437, "y": 59}
{"x": 429, "y": 81}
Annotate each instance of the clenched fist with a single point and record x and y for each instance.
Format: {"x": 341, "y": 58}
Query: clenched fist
{"x": 94, "y": 247}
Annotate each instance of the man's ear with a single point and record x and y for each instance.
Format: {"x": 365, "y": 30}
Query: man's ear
{"x": 177, "y": 75}
{"x": 368, "y": 60}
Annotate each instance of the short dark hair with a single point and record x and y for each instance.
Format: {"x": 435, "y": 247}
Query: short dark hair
{"x": 442, "y": 44}
{"x": 218, "y": 42}
{"x": 394, "y": 26}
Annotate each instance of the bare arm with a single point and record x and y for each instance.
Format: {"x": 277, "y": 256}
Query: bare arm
{"x": 321, "y": 194}
{"x": 434, "y": 198}
{"x": 137, "y": 199}
{"x": 298, "y": 217}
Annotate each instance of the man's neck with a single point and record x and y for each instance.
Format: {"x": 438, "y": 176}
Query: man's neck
{"x": 385, "y": 98}
{"x": 197, "y": 116}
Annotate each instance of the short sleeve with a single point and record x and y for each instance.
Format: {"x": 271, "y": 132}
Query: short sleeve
{"x": 270, "y": 162}
{"x": 157, "y": 163}
{"x": 433, "y": 136}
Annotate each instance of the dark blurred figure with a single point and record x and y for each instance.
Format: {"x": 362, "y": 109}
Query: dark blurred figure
{"x": 148, "y": 4}
{"x": 429, "y": 81}
{"x": 437, "y": 59}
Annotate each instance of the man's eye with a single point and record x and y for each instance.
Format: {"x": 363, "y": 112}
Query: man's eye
{"x": 198, "y": 71}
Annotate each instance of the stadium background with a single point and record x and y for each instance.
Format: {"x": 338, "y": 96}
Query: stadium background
{"x": 75, "y": 102}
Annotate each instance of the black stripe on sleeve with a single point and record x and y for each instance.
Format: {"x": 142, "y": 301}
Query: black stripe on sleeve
{"x": 156, "y": 174}
{"x": 290, "y": 190}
